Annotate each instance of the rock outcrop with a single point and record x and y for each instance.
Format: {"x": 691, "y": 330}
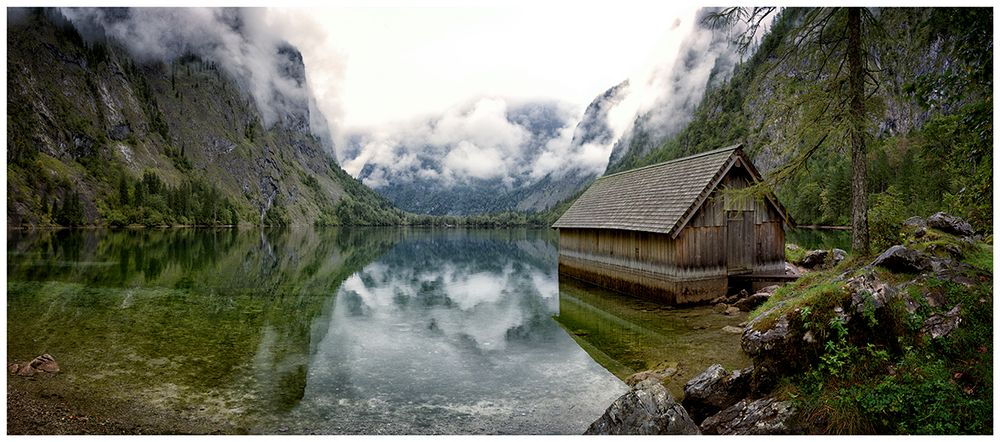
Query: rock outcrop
{"x": 938, "y": 326}
{"x": 714, "y": 390}
{"x": 901, "y": 259}
{"x": 648, "y": 408}
{"x": 41, "y": 364}
{"x": 950, "y": 224}
{"x": 762, "y": 416}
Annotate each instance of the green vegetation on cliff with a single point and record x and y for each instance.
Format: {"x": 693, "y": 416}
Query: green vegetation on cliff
{"x": 98, "y": 136}
{"x": 931, "y": 126}
{"x": 900, "y": 346}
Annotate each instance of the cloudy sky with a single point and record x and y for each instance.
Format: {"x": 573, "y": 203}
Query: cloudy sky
{"x": 435, "y": 90}
{"x": 405, "y": 74}
{"x": 382, "y": 64}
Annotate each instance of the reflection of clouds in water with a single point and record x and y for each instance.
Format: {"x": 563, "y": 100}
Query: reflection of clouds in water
{"x": 452, "y": 299}
{"x": 454, "y": 336}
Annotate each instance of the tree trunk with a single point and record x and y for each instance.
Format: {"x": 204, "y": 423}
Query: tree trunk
{"x": 859, "y": 163}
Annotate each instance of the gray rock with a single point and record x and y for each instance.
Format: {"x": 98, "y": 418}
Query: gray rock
{"x": 791, "y": 269}
{"x": 732, "y": 311}
{"x": 814, "y": 259}
{"x": 868, "y": 292}
{"x": 720, "y": 307}
{"x": 715, "y": 389}
{"x": 792, "y": 247}
{"x": 755, "y": 341}
{"x": 916, "y": 222}
{"x": 731, "y": 329}
{"x": 950, "y": 224}
{"x": 763, "y": 416}
{"x": 838, "y": 256}
{"x": 776, "y": 350}
{"x": 902, "y": 260}
{"x": 941, "y": 325}
{"x": 119, "y": 132}
{"x": 948, "y": 249}
{"x": 752, "y": 302}
{"x": 648, "y": 408}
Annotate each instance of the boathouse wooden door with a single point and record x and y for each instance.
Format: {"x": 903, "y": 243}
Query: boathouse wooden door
{"x": 739, "y": 241}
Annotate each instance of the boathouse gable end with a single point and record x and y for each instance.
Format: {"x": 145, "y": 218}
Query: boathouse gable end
{"x": 667, "y": 232}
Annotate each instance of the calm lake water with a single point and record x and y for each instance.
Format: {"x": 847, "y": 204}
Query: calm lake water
{"x": 369, "y": 331}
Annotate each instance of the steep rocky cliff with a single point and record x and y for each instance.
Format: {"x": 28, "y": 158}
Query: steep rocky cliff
{"x": 100, "y": 135}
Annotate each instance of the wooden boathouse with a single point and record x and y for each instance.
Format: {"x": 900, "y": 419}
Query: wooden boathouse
{"x": 667, "y": 232}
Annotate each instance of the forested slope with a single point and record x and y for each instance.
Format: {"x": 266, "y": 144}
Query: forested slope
{"x": 97, "y": 136}
{"x": 930, "y": 122}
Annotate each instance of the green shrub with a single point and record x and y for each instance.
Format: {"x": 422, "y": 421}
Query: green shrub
{"x": 885, "y": 219}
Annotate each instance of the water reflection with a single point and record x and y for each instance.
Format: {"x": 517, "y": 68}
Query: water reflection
{"x": 811, "y": 239}
{"x": 330, "y": 331}
{"x": 627, "y": 334}
{"x": 451, "y": 333}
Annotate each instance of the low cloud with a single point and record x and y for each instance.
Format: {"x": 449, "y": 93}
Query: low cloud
{"x": 247, "y": 43}
{"x": 487, "y": 139}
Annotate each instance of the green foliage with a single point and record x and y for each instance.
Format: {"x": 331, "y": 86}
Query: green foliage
{"x": 885, "y": 219}
{"x": 70, "y": 212}
{"x": 943, "y": 162}
{"x": 151, "y": 202}
{"x": 882, "y": 374}
{"x": 794, "y": 254}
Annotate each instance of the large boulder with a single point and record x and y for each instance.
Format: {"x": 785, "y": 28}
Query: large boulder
{"x": 762, "y": 416}
{"x": 902, "y": 260}
{"x": 648, "y": 408}
{"x": 813, "y": 259}
{"x": 915, "y": 222}
{"x": 778, "y": 344}
{"x": 715, "y": 389}
{"x": 950, "y": 224}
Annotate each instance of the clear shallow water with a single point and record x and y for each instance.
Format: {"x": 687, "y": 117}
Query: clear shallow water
{"x": 819, "y": 239}
{"x": 329, "y": 331}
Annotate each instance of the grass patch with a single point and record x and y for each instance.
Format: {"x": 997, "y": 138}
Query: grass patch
{"x": 980, "y": 256}
{"x": 794, "y": 254}
{"x": 808, "y": 296}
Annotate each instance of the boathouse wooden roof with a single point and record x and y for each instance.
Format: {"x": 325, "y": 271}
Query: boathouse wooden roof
{"x": 659, "y": 198}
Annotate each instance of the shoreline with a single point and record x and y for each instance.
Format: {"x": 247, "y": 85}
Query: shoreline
{"x": 48, "y": 404}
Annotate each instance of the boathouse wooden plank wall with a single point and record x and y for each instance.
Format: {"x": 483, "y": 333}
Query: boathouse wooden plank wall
{"x": 738, "y": 236}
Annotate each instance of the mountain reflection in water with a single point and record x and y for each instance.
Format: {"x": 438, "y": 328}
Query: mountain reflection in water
{"x": 313, "y": 331}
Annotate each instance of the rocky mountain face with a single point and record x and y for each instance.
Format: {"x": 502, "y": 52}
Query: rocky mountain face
{"x": 100, "y": 135}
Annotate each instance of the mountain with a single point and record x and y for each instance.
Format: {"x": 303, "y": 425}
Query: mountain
{"x": 100, "y": 133}
{"x": 594, "y": 131}
{"x": 930, "y": 119}
{"x": 706, "y": 60}
{"x": 473, "y": 159}
{"x": 490, "y": 155}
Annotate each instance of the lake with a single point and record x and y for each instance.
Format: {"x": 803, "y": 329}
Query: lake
{"x": 343, "y": 331}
